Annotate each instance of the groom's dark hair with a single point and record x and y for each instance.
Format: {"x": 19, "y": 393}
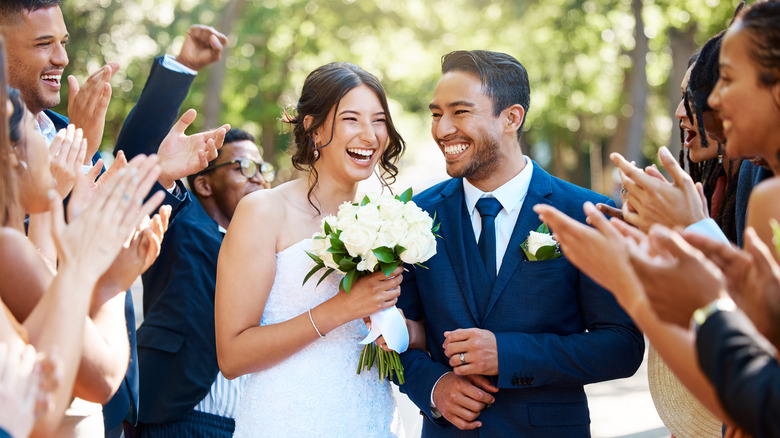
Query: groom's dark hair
{"x": 10, "y": 10}
{"x": 504, "y": 79}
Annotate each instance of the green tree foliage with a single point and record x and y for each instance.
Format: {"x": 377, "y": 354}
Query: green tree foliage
{"x": 579, "y": 55}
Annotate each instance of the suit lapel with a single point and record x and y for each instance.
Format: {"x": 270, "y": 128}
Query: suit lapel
{"x": 451, "y": 217}
{"x": 527, "y": 221}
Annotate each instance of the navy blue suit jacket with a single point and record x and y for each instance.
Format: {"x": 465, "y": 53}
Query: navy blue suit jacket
{"x": 556, "y": 330}
{"x": 176, "y": 342}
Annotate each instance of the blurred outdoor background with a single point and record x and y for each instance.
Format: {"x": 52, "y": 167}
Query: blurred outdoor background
{"x": 605, "y": 74}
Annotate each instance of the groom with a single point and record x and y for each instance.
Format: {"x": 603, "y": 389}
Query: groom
{"x": 512, "y": 341}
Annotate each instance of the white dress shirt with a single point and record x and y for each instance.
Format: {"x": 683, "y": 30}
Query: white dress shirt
{"x": 511, "y": 196}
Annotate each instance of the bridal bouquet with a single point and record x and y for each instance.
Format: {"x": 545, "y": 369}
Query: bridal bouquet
{"x": 377, "y": 234}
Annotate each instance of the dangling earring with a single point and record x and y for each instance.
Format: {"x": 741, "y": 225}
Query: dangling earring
{"x": 720, "y": 153}
{"x": 316, "y": 154}
{"x": 23, "y": 164}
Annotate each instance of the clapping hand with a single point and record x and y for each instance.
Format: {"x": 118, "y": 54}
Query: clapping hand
{"x": 66, "y": 155}
{"x": 136, "y": 256}
{"x": 612, "y": 239}
{"x": 202, "y": 47}
{"x": 181, "y": 155}
{"x": 19, "y": 383}
{"x": 651, "y": 199}
{"x": 87, "y": 105}
{"x": 95, "y": 237}
{"x": 679, "y": 278}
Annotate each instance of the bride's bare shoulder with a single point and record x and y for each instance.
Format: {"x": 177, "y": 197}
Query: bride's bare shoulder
{"x": 272, "y": 206}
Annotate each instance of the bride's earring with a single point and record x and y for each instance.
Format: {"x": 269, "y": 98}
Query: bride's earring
{"x": 316, "y": 154}
{"x": 720, "y": 153}
{"x": 23, "y": 164}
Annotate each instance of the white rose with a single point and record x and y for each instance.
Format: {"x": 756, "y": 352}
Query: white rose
{"x": 346, "y": 216}
{"x": 319, "y": 247}
{"x": 419, "y": 247}
{"x": 368, "y": 216}
{"x": 357, "y": 239}
{"x": 414, "y": 215}
{"x": 538, "y": 240}
{"x": 368, "y": 262}
{"x": 391, "y": 233}
{"x": 390, "y": 208}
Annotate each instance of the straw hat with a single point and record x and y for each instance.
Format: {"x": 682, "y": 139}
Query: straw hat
{"x": 680, "y": 411}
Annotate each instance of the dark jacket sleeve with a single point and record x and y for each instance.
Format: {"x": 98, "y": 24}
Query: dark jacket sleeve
{"x": 156, "y": 111}
{"x": 740, "y": 364}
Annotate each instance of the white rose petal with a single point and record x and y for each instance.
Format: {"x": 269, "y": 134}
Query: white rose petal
{"x": 419, "y": 247}
{"x": 538, "y": 240}
{"x": 357, "y": 239}
{"x": 390, "y": 208}
{"x": 368, "y": 215}
{"x": 391, "y": 233}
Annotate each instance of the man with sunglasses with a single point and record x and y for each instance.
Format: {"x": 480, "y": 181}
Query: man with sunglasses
{"x": 182, "y": 391}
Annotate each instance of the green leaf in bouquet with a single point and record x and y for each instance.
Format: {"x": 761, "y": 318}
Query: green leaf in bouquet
{"x": 315, "y": 258}
{"x": 326, "y": 228}
{"x": 388, "y": 268}
{"x": 384, "y": 254}
{"x": 349, "y": 280}
{"x": 365, "y": 201}
{"x": 316, "y": 268}
{"x": 406, "y": 196}
{"x": 399, "y": 250}
{"x": 346, "y": 264}
{"x": 547, "y": 253}
{"x": 325, "y": 275}
{"x": 336, "y": 244}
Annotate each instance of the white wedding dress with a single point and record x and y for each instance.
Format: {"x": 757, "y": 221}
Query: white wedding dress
{"x": 315, "y": 392}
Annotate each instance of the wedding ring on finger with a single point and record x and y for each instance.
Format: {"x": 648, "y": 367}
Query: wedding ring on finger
{"x": 463, "y": 358}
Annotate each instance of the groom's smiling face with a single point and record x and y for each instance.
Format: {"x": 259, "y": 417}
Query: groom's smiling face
{"x": 465, "y": 127}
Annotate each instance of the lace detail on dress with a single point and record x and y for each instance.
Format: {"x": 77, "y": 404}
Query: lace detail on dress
{"x": 315, "y": 392}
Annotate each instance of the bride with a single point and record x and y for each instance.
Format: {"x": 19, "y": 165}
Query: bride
{"x": 300, "y": 342}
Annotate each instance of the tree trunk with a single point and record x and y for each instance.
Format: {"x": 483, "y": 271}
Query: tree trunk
{"x": 213, "y": 104}
{"x": 639, "y": 88}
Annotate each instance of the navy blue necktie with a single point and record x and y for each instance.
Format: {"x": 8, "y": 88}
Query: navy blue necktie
{"x": 488, "y": 208}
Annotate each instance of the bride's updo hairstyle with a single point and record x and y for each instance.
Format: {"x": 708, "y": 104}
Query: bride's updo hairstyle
{"x": 323, "y": 89}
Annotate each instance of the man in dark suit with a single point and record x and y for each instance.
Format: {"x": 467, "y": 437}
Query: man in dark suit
{"x": 182, "y": 391}
{"x": 512, "y": 341}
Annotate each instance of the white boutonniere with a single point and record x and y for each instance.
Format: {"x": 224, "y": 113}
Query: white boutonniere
{"x": 540, "y": 245}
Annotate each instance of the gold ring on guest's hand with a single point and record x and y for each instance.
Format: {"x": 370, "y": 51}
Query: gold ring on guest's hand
{"x": 463, "y": 358}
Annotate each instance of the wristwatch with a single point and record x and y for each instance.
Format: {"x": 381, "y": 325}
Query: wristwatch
{"x": 701, "y": 314}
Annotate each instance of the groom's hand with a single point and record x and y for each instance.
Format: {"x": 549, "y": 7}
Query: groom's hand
{"x": 472, "y": 351}
{"x": 461, "y": 399}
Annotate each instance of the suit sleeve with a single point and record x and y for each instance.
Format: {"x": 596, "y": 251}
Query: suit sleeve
{"x": 740, "y": 364}
{"x": 152, "y": 117}
{"x": 155, "y": 112}
{"x": 421, "y": 372}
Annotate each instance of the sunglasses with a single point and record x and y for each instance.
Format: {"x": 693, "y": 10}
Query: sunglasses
{"x": 249, "y": 169}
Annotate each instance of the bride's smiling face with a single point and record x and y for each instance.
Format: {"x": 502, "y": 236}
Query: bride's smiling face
{"x": 358, "y": 138}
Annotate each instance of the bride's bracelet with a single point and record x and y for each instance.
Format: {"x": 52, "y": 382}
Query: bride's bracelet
{"x": 315, "y": 325}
